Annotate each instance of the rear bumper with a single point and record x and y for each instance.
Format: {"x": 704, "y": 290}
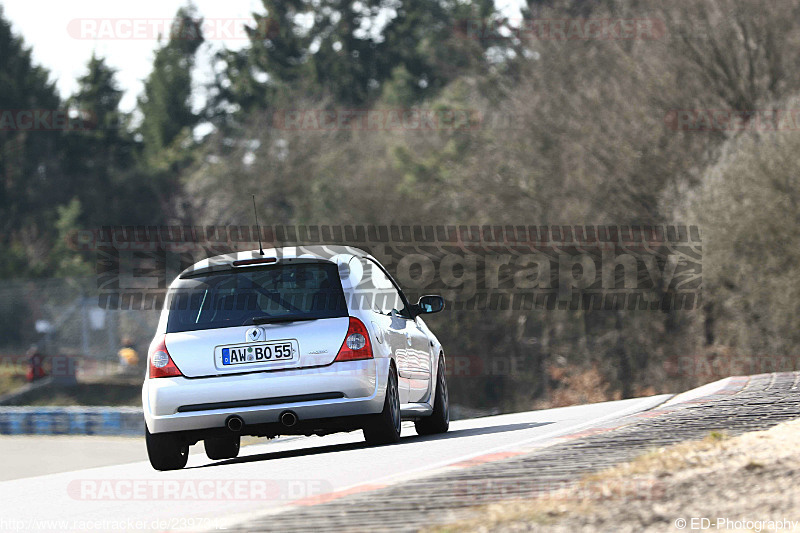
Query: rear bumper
{"x": 349, "y": 388}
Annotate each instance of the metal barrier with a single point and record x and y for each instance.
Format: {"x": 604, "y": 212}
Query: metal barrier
{"x": 125, "y": 421}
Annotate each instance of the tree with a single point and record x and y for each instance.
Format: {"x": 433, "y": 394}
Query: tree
{"x": 425, "y": 46}
{"x": 101, "y": 159}
{"x": 166, "y": 105}
{"x": 167, "y": 115}
{"x": 740, "y": 51}
{"x": 350, "y": 52}
{"x": 275, "y": 60}
{"x": 30, "y": 173}
{"x": 749, "y": 205}
{"x": 98, "y": 97}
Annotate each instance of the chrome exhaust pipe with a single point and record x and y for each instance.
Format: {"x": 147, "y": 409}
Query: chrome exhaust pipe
{"x": 288, "y": 418}
{"x": 234, "y": 423}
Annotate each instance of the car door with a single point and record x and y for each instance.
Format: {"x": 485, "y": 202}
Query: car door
{"x": 419, "y": 355}
{"x": 407, "y": 339}
{"x": 376, "y": 291}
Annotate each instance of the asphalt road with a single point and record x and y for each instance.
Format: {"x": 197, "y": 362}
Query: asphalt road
{"x": 24, "y": 456}
{"x": 274, "y": 476}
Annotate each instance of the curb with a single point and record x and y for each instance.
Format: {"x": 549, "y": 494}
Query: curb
{"x": 705, "y": 394}
{"x": 122, "y": 421}
{"x": 701, "y": 395}
{"x": 726, "y": 386}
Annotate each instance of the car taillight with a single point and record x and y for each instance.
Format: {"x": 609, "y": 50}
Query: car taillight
{"x": 160, "y": 363}
{"x": 356, "y": 343}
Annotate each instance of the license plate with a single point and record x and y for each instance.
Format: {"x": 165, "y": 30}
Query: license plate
{"x": 269, "y": 352}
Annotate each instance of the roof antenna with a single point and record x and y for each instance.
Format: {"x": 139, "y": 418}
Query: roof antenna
{"x": 258, "y": 228}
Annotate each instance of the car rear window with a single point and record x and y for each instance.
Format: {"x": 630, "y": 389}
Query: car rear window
{"x": 254, "y": 295}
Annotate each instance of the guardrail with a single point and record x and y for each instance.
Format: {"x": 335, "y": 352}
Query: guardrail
{"x": 125, "y": 421}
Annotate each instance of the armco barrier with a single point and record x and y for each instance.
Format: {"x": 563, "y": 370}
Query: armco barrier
{"x": 71, "y": 421}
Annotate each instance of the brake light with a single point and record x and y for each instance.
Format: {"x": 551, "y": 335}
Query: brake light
{"x": 356, "y": 343}
{"x": 160, "y": 362}
{"x": 260, "y": 261}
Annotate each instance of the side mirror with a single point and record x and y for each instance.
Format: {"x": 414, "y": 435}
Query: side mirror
{"x": 430, "y": 304}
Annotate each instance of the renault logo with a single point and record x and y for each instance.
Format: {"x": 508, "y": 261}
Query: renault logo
{"x": 254, "y": 334}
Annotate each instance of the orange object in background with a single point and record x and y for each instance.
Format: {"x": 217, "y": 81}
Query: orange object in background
{"x": 128, "y": 356}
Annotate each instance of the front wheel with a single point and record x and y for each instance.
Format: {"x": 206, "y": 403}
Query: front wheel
{"x": 439, "y": 421}
{"x": 166, "y": 451}
{"x": 384, "y": 428}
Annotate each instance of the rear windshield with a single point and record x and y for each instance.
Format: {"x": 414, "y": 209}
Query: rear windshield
{"x": 256, "y": 295}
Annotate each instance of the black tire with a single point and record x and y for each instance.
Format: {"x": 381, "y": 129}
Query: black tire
{"x": 166, "y": 451}
{"x": 439, "y": 420}
{"x": 222, "y": 447}
{"x": 384, "y": 427}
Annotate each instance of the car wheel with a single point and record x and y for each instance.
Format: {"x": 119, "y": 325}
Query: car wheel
{"x": 384, "y": 428}
{"x": 439, "y": 420}
{"x": 166, "y": 451}
{"x": 222, "y": 447}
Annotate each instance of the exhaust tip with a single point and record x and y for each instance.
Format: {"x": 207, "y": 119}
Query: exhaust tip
{"x": 234, "y": 423}
{"x": 288, "y": 418}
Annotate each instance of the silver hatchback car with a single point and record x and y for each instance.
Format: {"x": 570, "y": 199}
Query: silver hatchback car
{"x": 289, "y": 341}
